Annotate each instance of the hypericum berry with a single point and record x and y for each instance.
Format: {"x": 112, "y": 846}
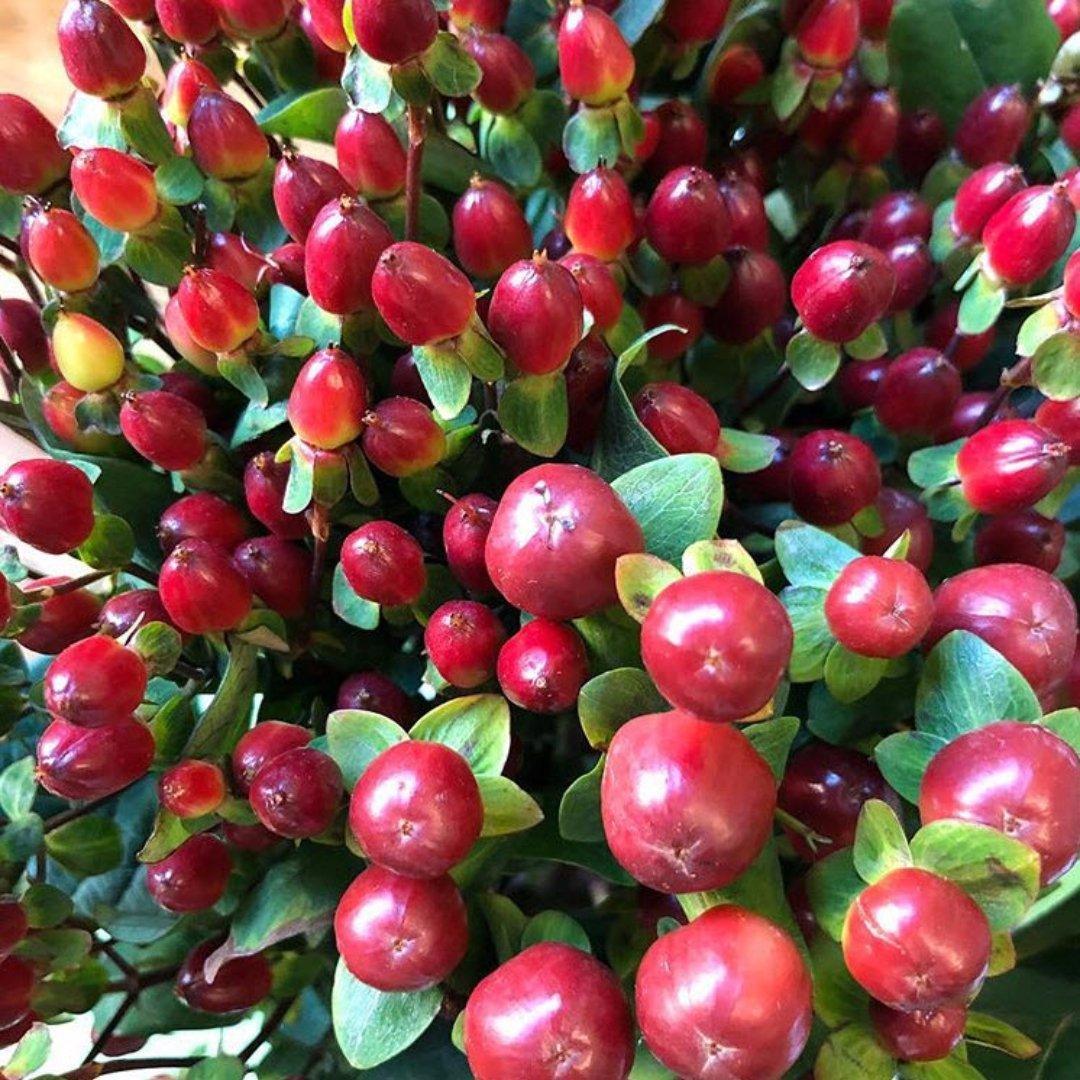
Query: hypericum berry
{"x": 746, "y": 209}
{"x": 596, "y": 65}
{"x": 827, "y": 32}
{"x": 753, "y": 299}
{"x": 89, "y": 763}
{"x": 588, "y": 376}
{"x": 180, "y": 335}
{"x": 914, "y": 268}
{"x": 371, "y": 691}
{"x": 464, "y": 533}
{"x": 481, "y": 14}
{"x": 201, "y": 589}
{"x": 288, "y": 266}
{"x": 914, "y": 940}
{"x": 462, "y": 639}
{"x": 981, "y": 195}
{"x": 897, "y": 216}
{"x": 923, "y": 1035}
{"x": 1024, "y": 613}
{"x": 13, "y": 925}
{"x": 115, "y": 188}
{"x": 302, "y": 187}
{"x": 383, "y": 563}
{"x": 58, "y": 411}
{"x": 879, "y": 607}
{"x": 262, "y": 744}
{"x": 859, "y": 381}
{"x": 687, "y": 219}
{"x": 728, "y": 991}
{"x": 679, "y": 418}
{"x": 736, "y": 70}
{"x": 192, "y": 788}
{"x": 328, "y": 400}
{"x": 683, "y": 138}
{"x": 60, "y": 249}
{"x": 278, "y": 572}
{"x": 421, "y": 295}
{"x": 871, "y": 135}
{"x": 692, "y": 21}
{"x": 32, "y": 492}
{"x": 841, "y": 289}
{"x": 22, "y": 331}
{"x": 1024, "y": 536}
{"x": 833, "y": 476}
{"x": 370, "y": 155}
{"x": 1066, "y": 16}
{"x": 296, "y": 794}
{"x": 186, "y": 80}
{"x": 1062, "y": 418}
{"x": 17, "y": 983}
{"x": 88, "y": 354}
{"x": 397, "y": 933}
{"x": 202, "y": 517}
{"x": 507, "y": 76}
{"x": 328, "y": 22}
{"x": 536, "y": 315}
{"x": 220, "y": 313}
{"x": 1010, "y": 465}
{"x": 135, "y": 607}
{"x": 686, "y": 804}
{"x": 95, "y": 682}
{"x": 31, "y": 158}
{"x": 225, "y": 140}
{"x": 235, "y": 257}
{"x": 1029, "y": 234}
{"x": 193, "y": 877}
{"x": 676, "y": 309}
{"x": 64, "y": 619}
{"x": 918, "y": 392}
{"x": 101, "y": 55}
{"x": 265, "y": 481}
{"x": 253, "y": 20}
{"x": 401, "y": 437}
{"x": 967, "y": 350}
{"x": 716, "y": 644}
{"x": 1021, "y": 779}
{"x": 393, "y": 31}
{"x": 600, "y": 218}
{"x": 239, "y": 984}
{"x": 600, "y": 293}
{"x": 921, "y": 140}
{"x": 554, "y": 541}
{"x": 993, "y": 126}
{"x": 190, "y": 22}
{"x": 542, "y": 667}
{"x": 578, "y": 1018}
{"x": 164, "y": 428}
{"x": 416, "y": 809}
{"x": 490, "y": 230}
{"x": 874, "y": 18}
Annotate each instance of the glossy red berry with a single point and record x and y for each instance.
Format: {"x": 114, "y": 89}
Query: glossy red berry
{"x": 220, "y": 313}
{"x": 202, "y": 517}
{"x": 833, "y": 476}
{"x": 753, "y": 299}
{"x": 542, "y": 667}
{"x": 600, "y": 218}
{"x": 554, "y": 541}
{"x": 101, "y": 54}
{"x": 237, "y": 258}
{"x": 993, "y": 126}
{"x": 490, "y": 230}
{"x": 262, "y": 744}
{"x": 915, "y": 272}
{"x": 64, "y": 619}
{"x": 870, "y": 137}
{"x": 841, "y": 289}
{"x": 827, "y": 32}
{"x": 192, "y": 788}
{"x": 897, "y": 216}
{"x": 416, "y": 809}
{"x": 253, "y": 20}
{"x": 1066, "y": 16}
{"x": 190, "y": 22}
{"x": 692, "y": 21}
{"x": 278, "y": 572}
{"x": 727, "y": 996}
{"x": 1029, "y": 234}
{"x": 302, "y": 187}
{"x": 124, "y": 610}
{"x": 60, "y": 249}
{"x": 918, "y": 392}
{"x": 393, "y": 31}
{"x": 482, "y": 14}
{"x": 981, "y": 195}
{"x": 465, "y": 532}
{"x": 202, "y": 590}
{"x": 77, "y": 762}
{"x": 328, "y": 400}
{"x": 679, "y": 418}
{"x": 265, "y": 481}
{"x": 328, "y": 22}
{"x": 859, "y": 381}
{"x": 687, "y": 219}
{"x": 1021, "y": 779}
{"x": 596, "y": 65}
{"x": 22, "y": 331}
{"x": 923, "y": 1035}
{"x": 370, "y": 155}
{"x": 1010, "y": 465}
{"x": 31, "y": 491}
{"x": 402, "y": 438}
{"x": 746, "y": 209}
{"x": 226, "y": 143}
{"x": 507, "y": 76}
{"x": 551, "y": 1010}
{"x": 115, "y": 188}
{"x": 600, "y": 293}
{"x": 296, "y": 794}
{"x": 398, "y": 933}
{"x": 13, "y": 925}
{"x": 383, "y": 563}
{"x": 186, "y": 80}
{"x": 462, "y": 639}
{"x": 1023, "y": 536}
{"x": 31, "y": 159}
{"x": 1062, "y": 418}
{"x": 164, "y": 428}
{"x": 191, "y": 878}
{"x": 94, "y": 682}
{"x": 738, "y": 69}
{"x": 238, "y": 985}
{"x": 672, "y": 308}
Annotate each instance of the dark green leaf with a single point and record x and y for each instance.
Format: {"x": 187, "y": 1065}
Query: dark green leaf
{"x": 809, "y": 556}
{"x": 1056, "y": 367}
{"x": 159, "y": 257}
{"x": 533, "y": 411}
{"x": 579, "y": 809}
{"x": 555, "y": 926}
{"x": 838, "y": 998}
{"x": 227, "y": 716}
{"x": 509, "y": 148}
{"x": 46, "y": 906}
{"x": 450, "y": 68}
{"x": 852, "y": 1053}
{"x": 903, "y": 758}
{"x": 86, "y": 846}
{"x": 310, "y": 114}
{"x": 832, "y": 885}
{"x": 772, "y": 739}
{"x": 591, "y": 136}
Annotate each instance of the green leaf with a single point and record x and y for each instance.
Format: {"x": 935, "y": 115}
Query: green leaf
{"x": 999, "y": 873}
{"x": 705, "y": 284}
{"x": 168, "y": 834}
{"x": 880, "y": 843}
{"x": 555, "y": 926}
{"x": 446, "y": 377}
{"x": 506, "y": 923}
{"x": 850, "y": 676}
{"x": 90, "y": 121}
{"x": 1055, "y": 367}
{"x": 591, "y": 136}
{"x": 772, "y": 739}
{"x": 639, "y": 579}
{"x": 869, "y": 345}
{"x": 18, "y": 785}
{"x": 373, "y": 1026}
{"x": 534, "y": 412}
{"x": 935, "y": 465}
{"x": 309, "y": 114}
{"x": 966, "y": 684}
{"x": 179, "y": 181}
{"x": 832, "y": 885}
{"x": 312, "y": 322}
{"x": 980, "y": 305}
{"x": 159, "y": 257}
{"x": 1064, "y": 723}
{"x": 789, "y": 87}
{"x": 809, "y": 556}
{"x": 903, "y": 758}
{"x": 579, "y": 808}
{"x": 450, "y": 68}
{"x": 367, "y": 82}
{"x": 608, "y": 701}
{"x": 544, "y": 842}
{"x": 110, "y": 545}
{"x": 350, "y": 607}
{"x": 508, "y": 147}
{"x": 745, "y": 452}
{"x": 21, "y": 839}
{"x": 477, "y": 727}
{"x": 31, "y": 1053}
{"x": 143, "y": 126}
{"x": 838, "y": 998}
{"x": 852, "y": 1053}
{"x": 805, "y": 605}
{"x": 812, "y": 362}
{"x": 717, "y": 554}
{"x": 86, "y": 846}
{"x": 46, "y": 906}
{"x": 356, "y": 738}
{"x": 675, "y": 500}
{"x": 507, "y": 809}
{"x": 990, "y": 1031}
{"x": 449, "y": 165}
{"x": 256, "y": 420}
{"x": 217, "y": 1068}
{"x": 1041, "y": 324}
{"x": 229, "y": 712}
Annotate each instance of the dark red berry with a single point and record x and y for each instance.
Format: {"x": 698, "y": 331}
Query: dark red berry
{"x": 965, "y": 350}
{"x": 841, "y": 289}
{"x": 32, "y": 491}
{"x": 165, "y": 429}
{"x": 202, "y": 590}
{"x": 64, "y": 619}
{"x": 753, "y": 299}
{"x": 192, "y": 788}
{"x": 1062, "y": 418}
{"x": 262, "y": 744}
{"x": 738, "y": 68}
{"x": 918, "y": 392}
{"x": 587, "y": 378}
{"x": 913, "y": 266}
{"x": 371, "y": 691}
{"x": 672, "y": 308}
{"x": 462, "y": 639}
{"x": 490, "y": 230}
{"x": 238, "y": 985}
{"x": 981, "y": 195}
{"x": 193, "y": 877}
{"x": 202, "y": 517}
{"x": 21, "y": 330}
{"x": 265, "y": 481}
{"x": 871, "y": 135}
{"x": 17, "y": 984}
{"x": 296, "y": 794}
{"x": 253, "y": 19}
{"x": 1029, "y": 234}
{"x": 679, "y": 418}
{"x": 507, "y": 76}
{"x": 89, "y": 763}
{"x": 833, "y": 476}
{"x": 302, "y": 187}
{"x": 465, "y": 532}
{"x": 13, "y": 925}
{"x": 859, "y": 381}
{"x": 342, "y": 249}
{"x": 190, "y": 22}
{"x": 1021, "y": 537}
{"x": 923, "y": 1035}
{"x": 278, "y": 572}
{"x": 687, "y": 219}
{"x": 383, "y": 563}
{"x": 94, "y": 682}
{"x": 542, "y": 667}
{"x": 600, "y": 293}
{"x": 393, "y": 31}
{"x": 31, "y": 158}
{"x": 921, "y": 140}
{"x": 993, "y": 126}
{"x": 897, "y": 216}
{"x": 900, "y": 512}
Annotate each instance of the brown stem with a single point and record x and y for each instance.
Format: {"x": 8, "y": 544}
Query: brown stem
{"x": 76, "y": 812}
{"x": 70, "y": 586}
{"x": 252, "y": 93}
{"x": 88, "y": 1072}
{"x": 413, "y": 164}
{"x": 270, "y": 1025}
{"x": 108, "y": 1030}
{"x": 320, "y": 532}
{"x": 1018, "y": 375}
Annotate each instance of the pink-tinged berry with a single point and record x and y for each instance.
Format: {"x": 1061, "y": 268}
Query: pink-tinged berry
{"x": 64, "y": 619}
{"x": 393, "y": 31}
{"x": 191, "y": 878}
{"x": 32, "y": 491}
{"x": 302, "y": 187}
{"x": 897, "y": 216}
{"x": 383, "y": 563}
{"x": 693, "y": 21}
{"x": 89, "y": 763}
{"x": 61, "y": 250}
{"x": 328, "y": 400}
{"x": 1029, "y": 234}
{"x": 402, "y": 438}
{"x": 253, "y": 20}
{"x": 185, "y": 82}
{"x": 679, "y": 418}
{"x": 115, "y": 188}
{"x": 370, "y": 155}
{"x": 462, "y": 639}
{"x": 165, "y": 429}
{"x": 490, "y": 230}
{"x": 327, "y": 17}
{"x": 600, "y": 293}
{"x": 596, "y": 65}
{"x": 201, "y": 589}
{"x": 1062, "y": 418}
{"x": 871, "y": 136}
{"x": 225, "y": 140}
{"x": 95, "y": 682}
{"x": 101, "y": 54}
{"x": 1010, "y": 465}
{"x": 202, "y": 516}
{"x": 993, "y": 126}
{"x": 833, "y": 476}
{"x": 600, "y": 218}
{"x": 136, "y": 607}
{"x": 192, "y": 788}
{"x": 913, "y": 266}
{"x": 31, "y": 159}
{"x": 542, "y": 667}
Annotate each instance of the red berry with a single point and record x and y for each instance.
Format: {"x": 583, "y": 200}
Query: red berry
{"x": 13, "y": 925}
{"x": 186, "y": 80}
{"x": 897, "y": 216}
{"x": 600, "y": 218}
{"x": 753, "y": 299}
{"x": 89, "y": 763}
{"x": 122, "y": 611}
{"x": 220, "y": 313}
{"x": 993, "y": 126}
{"x": 296, "y": 794}
{"x": 193, "y": 877}
{"x": 1020, "y": 779}
{"x": 371, "y": 691}
{"x": 926, "y": 1035}
{"x": 289, "y": 266}
{"x": 918, "y": 392}
{"x": 870, "y": 137}
{"x": 421, "y": 295}
{"x": 913, "y": 266}
{"x": 981, "y": 195}
{"x": 327, "y": 17}
{"x": 693, "y": 21}
{"x": 261, "y": 745}
{"x": 278, "y": 572}
{"x": 687, "y": 219}
{"x": 679, "y": 418}
{"x": 874, "y": 18}
{"x": 1029, "y": 234}
{"x": 235, "y": 257}
{"x": 675, "y": 309}
{"x": 920, "y": 141}
{"x": 95, "y": 682}
{"x": 965, "y": 350}
{"x": 828, "y": 32}
{"x": 31, "y": 159}
{"x": 1021, "y": 537}
{"x": 393, "y": 31}
{"x": 64, "y": 619}
{"x": 22, "y": 331}
{"x": 542, "y": 667}
{"x": 401, "y": 437}
{"x": 370, "y": 155}
{"x": 32, "y": 491}
{"x": 115, "y": 188}
{"x": 165, "y": 429}
{"x": 490, "y": 230}
{"x": 397, "y": 933}
{"x": 101, "y": 55}
{"x": 901, "y": 512}
{"x": 859, "y": 381}
{"x": 226, "y": 143}
{"x": 201, "y": 589}
{"x": 1062, "y": 418}
{"x": 58, "y": 411}
{"x": 587, "y": 378}
{"x": 462, "y": 639}
{"x": 192, "y": 788}
{"x": 683, "y": 138}
{"x": 596, "y": 65}
{"x": 507, "y": 76}
{"x": 191, "y": 22}
{"x": 1010, "y": 465}
{"x": 551, "y": 1010}
{"x": 302, "y": 187}
{"x": 253, "y": 20}
{"x": 384, "y": 564}
{"x": 265, "y": 481}
{"x": 60, "y": 249}
{"x": 833, "y": 476}
{"x": 914, "y": 940}
{"x": 554, "y": 541}
{"x": 17, "y": 984}
{"x": 841, "y": 289}
{"x": 328, "y": 400}
{"x": 600, "y": 293}
{"x": 738, "y": 68}
{"x": 464, "y": 533}
{"x": 727, "y": 996}
{"x": 202, "y": 517}
{"x": 746, "y": 208}
{"x": 483, "y": 14}
{"x": 238, "y": 985}
{"x": 1024, "y": 613}
{"x": 416, "y": 809}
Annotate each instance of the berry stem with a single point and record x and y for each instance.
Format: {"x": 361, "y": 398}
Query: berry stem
{"x": 1018, "y": 375}
{"x": 71, "y": 586}
{"x": 413, "y": 163}
{"x": 812, "y": 838}
{"x": 765, "y": 392}
{"x": 270, "y": 1025}
{"x": 320, "y": 531}
{"x": 253, "y": 94}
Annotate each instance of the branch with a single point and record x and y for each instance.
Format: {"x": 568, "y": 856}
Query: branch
{"x": 70, "y": 586}
{"x": 413, "y": 165}
{"x": 270, "y": 1025}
